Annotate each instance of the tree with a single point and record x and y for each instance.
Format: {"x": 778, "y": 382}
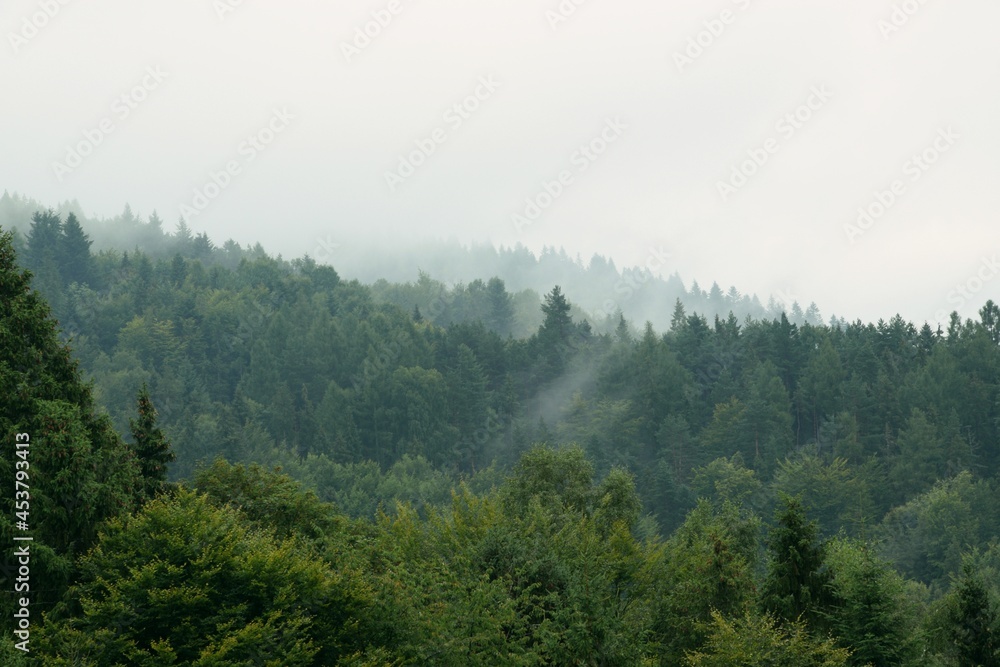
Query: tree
{"x": 269, "y": 500}
{"x": 81, "y": 472}
{"x": 43, "y": 256}
{"x": 75, "y": 262}
{"x": 556, "y": 478}
{"x": 924, "y": 454}
{"x": 727, "y": 480}
{"x": 468, "y": 400}
{"x": 43, "y": 240}
{"x": 679, "y": 318}
{"x": 183, "y": 238}
{"x": 760, "y": 641}
{"x": 660, "y": 384}
{"x": 706, "y": 567}
{"x": 974, "y": 629}
{"x": 216, "y": 593}
{"x": 555, "y": 337}
{"x": 796, "y": 587}
{"x": 500, "y": 316}
{"x": 873, "y": 614}
{"x": 989, "y": 315}
{"x": 768, "y": 418}
{"x": 819, "y": 386}
{"x": 152, "y": 449}
{"x": 927, "y": 536}
{"x": 838, "y": 495}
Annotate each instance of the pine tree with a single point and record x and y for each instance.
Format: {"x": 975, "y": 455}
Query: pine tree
{"x": 151, "y": 447}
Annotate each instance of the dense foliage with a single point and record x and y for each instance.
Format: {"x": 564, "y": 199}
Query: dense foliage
{"x": 460, "y": 494}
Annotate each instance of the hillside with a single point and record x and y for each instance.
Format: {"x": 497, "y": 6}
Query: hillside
{"x": 521, "y": 459}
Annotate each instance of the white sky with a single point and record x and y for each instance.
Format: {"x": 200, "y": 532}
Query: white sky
{"x": 322, "y": 180}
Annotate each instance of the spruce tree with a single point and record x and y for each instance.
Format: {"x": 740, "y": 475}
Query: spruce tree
{"x": 152, "y": 448}
{"x": 75, "y": 261}
{"x": 555, "y": 334}
{"x": 797, "y": 583}
{"x": 974, "y": 627}
{"x": 80, "y": 472}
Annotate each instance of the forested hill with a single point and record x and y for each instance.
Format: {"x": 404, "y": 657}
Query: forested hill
{"x": 550, "y": 481}
{"x": 413, "y": 274}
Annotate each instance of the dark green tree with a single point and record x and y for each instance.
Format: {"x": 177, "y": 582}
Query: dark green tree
{"x": 80, "y": 472}
{"x": 797, "y": 583}
{"x": 152, "y": 449}
{"x": 500, "y": 316}
{"x": 75, "y": 262}
{"x": 873, "y": 612}
{"x": 974, "y": 629}
{"x": 555, "y": 337}
{"x": 185, "y": 582}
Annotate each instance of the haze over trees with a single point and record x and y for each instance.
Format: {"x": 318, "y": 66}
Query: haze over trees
{"x": 476, "y": 475}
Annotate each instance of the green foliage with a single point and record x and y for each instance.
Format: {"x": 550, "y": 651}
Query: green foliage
{"x": 796, "y": 587}
{"x": 269, "y": 500}
{"x": 215, "y": 593}
{"x": 875, "y": 611}
{"x": 759, "y": 641}
{"x": 727, "y": 480}
{"x": 707, "y": 566}
{"x": 927, "y": 536}
{"x": 79, "y": 471}
{"x": 838, "y": 494}
{"x": 151, "y": 447}
{"x": 554, "y": 478}
{"x": 408, "y": 406}
{"x": 975, "y": 630}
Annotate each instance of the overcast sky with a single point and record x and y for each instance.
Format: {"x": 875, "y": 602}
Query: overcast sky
{"x": 739, "y": 136}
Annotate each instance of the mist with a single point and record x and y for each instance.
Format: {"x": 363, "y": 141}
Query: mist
{"x": 838, "y": 154}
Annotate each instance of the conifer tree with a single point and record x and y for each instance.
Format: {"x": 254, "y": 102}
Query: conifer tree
{"x": 151, "y": 447}
{"x": 75, "y": 261}
{"x": 974, "y": 624}
{"x": 80, "y": 472}
{"x": 797, "y": 583}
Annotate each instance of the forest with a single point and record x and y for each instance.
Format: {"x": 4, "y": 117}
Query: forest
{"x": 238, "y": 459}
